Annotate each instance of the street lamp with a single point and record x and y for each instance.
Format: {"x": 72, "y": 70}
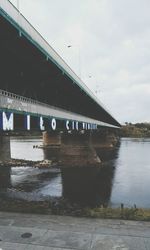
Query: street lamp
{"x": 79, "y": 59}
{"x": 18, "y": 6}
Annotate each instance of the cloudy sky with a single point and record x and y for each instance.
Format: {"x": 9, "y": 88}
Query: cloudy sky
{"x": 109, "y": 47}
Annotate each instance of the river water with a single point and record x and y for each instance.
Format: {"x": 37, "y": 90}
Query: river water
{"x": 124, "y": 177}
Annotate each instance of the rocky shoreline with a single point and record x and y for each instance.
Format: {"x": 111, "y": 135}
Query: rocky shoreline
{"x": 27, "y": 163}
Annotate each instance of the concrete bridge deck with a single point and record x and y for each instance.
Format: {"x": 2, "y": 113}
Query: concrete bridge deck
{"x": 68, "y": 233}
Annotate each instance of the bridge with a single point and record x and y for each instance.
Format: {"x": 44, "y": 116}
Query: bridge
{"x": 36, "y": 80}
{"x": 38, "y": 90}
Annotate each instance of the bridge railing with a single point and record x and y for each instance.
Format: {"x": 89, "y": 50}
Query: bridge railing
{"x": 18, "y": 97}
{"x": 27, "y": 99}
{"x": 11, "y": 101}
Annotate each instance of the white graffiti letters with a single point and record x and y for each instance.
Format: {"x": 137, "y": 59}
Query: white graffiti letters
{"x": 9, "y": 121}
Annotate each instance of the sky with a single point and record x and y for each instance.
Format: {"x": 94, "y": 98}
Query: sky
{"x": 106, "y": 42}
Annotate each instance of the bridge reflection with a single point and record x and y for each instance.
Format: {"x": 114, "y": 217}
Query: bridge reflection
{"x": 91, "y": 186}
{"x": 4, "y": 148}
{"x": 4, "y": 155}
{"x": 5, "y": 177}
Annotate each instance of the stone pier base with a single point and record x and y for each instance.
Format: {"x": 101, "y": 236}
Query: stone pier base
{"x": 77, "y": 151}
{"x": 51, "y": 139}
{"x": 105, "y": 143}
{"x": 51, "y": 145}
{"x": 104, "y": 139}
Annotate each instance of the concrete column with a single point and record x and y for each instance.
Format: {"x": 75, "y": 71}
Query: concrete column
{"x": 77, "y": 151}
{"x": 4, "y": 147}
{"x": 51, "y": 145}
{"x": 105, "y": 142}
{"x": 104, "y": 138}
{"x": 52, "y": 138}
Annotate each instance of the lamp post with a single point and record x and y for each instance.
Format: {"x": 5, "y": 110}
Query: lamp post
{"x": 18, "y": 5}
{"x": 79, "y": 59}
{"x": 96, "y": 89}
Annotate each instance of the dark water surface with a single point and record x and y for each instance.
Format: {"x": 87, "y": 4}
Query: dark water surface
{"x": 131, "y": 184}
{"x": 124, "y": 177}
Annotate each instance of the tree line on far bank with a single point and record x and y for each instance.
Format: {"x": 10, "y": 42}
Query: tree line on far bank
{"x": 135, "y": 130}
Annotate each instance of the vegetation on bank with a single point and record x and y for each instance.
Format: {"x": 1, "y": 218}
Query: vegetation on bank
{"x": 139, "y": 214}
{"x": 60, "y": 206}
{"x": 135, "y": 130}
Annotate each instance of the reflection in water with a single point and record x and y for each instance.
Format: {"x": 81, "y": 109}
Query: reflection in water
{"x": 4, "y": 155}
{"x": 5, "y": 180}
{"x": 27, "y": 182}
{"x": 131, "y": 182}
{"x": 90, "y": 186}
{"x": 22, "y": 148}
{"x": 123, "y": 177}
{"x": 33, "y": 184}
{"x": 4, "y": 147}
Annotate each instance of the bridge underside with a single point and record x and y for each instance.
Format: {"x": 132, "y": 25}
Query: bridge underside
{"x": 26, "y": 70}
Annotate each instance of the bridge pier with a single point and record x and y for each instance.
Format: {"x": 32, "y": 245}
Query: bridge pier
{"x": 51, "y": 144}
{"x": 94, "y": 183}
{"x": 73, "y": 149}
{"x": 77, "y": 150}
{"x": 51, "y": 138}
{"x": 104, "y": 138}
{"x": 4, "y": 147}
{"x": 105, "y": 142}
